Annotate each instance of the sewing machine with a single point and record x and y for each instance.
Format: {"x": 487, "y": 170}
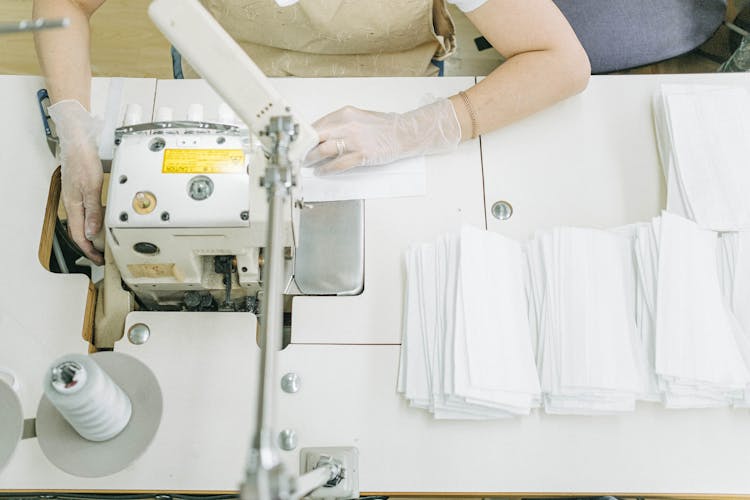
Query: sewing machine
{"x": 187, "y": 212}
{"x": 186, "y": 215}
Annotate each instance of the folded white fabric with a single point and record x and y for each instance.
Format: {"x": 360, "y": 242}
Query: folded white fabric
{"x": 646, "y": 251}
{"x": 466, "y": 350}
{"x": 701, "y": 352}
{"x": 702, "y": 133}
{"x": 591, "y": 359}
{"x": 740, "y": 273}
{"x": 656, "y": 311}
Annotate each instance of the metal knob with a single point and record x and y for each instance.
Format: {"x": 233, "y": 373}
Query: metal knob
{"x": 290, "y": 383}
{"x": 288, "y": 439}
{"x": 139, "y": 333}
{"x": 68, "y": 377}
{"x": 200, "y": 188}
{"x": 502, "y": 210}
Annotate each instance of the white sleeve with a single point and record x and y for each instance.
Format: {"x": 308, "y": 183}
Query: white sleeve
{"x": 467, "y": 5}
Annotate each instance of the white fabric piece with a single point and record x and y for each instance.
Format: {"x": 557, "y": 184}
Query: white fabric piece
{"x": 675, "y": 202}
{"x": 698, "y": 359}
{"x": 401, "y": 178}
{"x": 702, "y": 135}
{"x": 646, "y": 253}
{"x": 741, "y": 282}
{"x": 472, "y": 358}
{"x": 591, "y": 357}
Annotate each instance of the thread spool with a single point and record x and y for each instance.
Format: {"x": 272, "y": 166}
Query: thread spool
{"x": 164, "y": 114}
{"x": 89, "y": 400}
{"x": 226, "y": 114}
{"x": 10, "y": 378}
{"x": 195, "y": 112}
{"x": 11, "y": 416}
{"x": 133, "y": 114}
{"x": 58, "y": 439}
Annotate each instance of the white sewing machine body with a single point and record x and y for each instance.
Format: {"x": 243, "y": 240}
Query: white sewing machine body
{"x": 182, "y": 194}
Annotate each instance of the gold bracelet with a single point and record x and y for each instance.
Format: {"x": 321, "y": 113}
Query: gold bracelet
{"x": 472, "y": 114}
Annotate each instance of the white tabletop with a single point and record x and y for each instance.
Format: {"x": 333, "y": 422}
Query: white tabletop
{"x": 348, "y": 395}
{"x": 41, "y": 313}
{"x": 590, "y": 160}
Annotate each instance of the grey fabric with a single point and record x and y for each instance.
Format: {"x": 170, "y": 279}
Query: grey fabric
{"x": 622, "y": 34}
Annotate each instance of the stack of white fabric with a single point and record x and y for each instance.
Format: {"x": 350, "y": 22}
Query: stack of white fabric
{"x": 702, "y": 133}
{"x": 656, "y": 311}
{"x": 583, "y": 291}
{"x": 702, "y": 353}
{"x": 645, "y": 239}
{"x": 735, "y": 274}
{"x": 467, "y": 348}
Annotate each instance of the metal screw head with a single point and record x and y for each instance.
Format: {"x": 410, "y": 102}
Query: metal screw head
{"x": 138, "y": 334}
{"x": 288, "y": 439}
{"x": 165, "y": 216}
{"x": 68, "y": 377}
{"x": 244, "y": 215}
{"x": 156, "y": 144}
{"x": 290, "y": 383}
{"x": 200, "y": 187}
{"x": 502, "y": 210}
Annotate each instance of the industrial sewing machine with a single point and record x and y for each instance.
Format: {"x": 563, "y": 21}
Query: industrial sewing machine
{"x": 187, "y": 218}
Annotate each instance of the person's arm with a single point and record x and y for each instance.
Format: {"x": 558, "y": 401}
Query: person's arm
{"x": 64, "y": 58}
{"x": 545, "y": 63}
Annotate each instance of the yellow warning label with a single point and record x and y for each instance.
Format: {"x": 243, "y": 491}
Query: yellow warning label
{"x": 203, "y": 161}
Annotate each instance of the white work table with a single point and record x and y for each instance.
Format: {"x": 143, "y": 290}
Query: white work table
{"x": 589, "y": 161}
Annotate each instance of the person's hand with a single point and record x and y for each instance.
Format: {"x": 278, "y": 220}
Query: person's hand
{"x": 82, "y": 173}
{"x": 352, "y": 137}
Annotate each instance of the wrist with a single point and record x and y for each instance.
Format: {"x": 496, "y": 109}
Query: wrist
{"x": 74, "y": 126}
{"x": 433, "y": 128}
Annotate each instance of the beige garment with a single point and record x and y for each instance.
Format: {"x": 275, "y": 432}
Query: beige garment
{"x": 321, "y": 38}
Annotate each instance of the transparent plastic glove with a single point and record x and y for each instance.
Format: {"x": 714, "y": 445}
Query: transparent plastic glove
{"x": 82, "y": 173}
{"x": 352, "y": 137}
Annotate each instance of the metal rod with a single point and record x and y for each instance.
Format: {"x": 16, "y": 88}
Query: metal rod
{"x": 736, "y": 29}
{"x": 312, "y": 481}
{"x": 266, "y": 478}
{"x": 35, "y": 25}
{"x": 59, "y": 257}
{"x": 271, "y": 322}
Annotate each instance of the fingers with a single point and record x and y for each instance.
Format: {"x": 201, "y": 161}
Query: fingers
{"x": 76, "y": 218}
{"x": 343, "y": 115}
{"x": 327, "y": 149}
{"x": 92, "y": 208}
{"x": 341, "y": 164}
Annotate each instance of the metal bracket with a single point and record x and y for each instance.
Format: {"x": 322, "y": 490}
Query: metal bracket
{"x": 344, "y": 463}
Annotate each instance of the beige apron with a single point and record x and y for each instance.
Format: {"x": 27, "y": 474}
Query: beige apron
{"x": 316, "y": 38}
